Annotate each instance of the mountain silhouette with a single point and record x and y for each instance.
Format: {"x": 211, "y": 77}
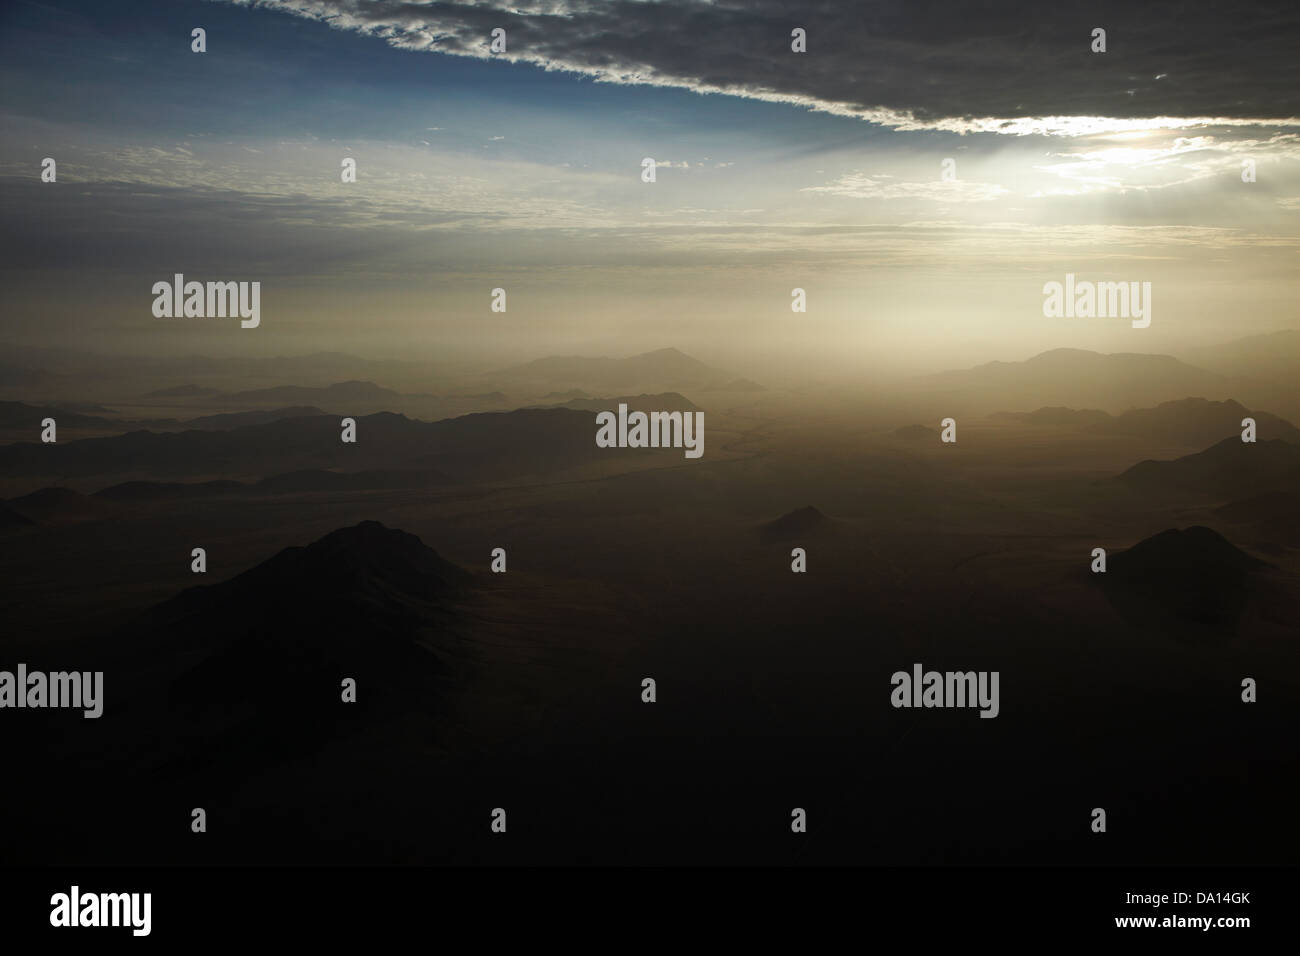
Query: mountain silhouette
{"x": 1075, "y": 378}
{"x": 136, "y": 491}
{"x": 255, "y": 664}
{"x": 259, "y": 417}
{"x": 801, "y": 524}
{"x": 19, "y": 416}
{"x": 662, "y": 367}
{"x": 9, "y": 518}
{"x": 1272, "y": 355}
{"x": 54, "y": 506}
{"x": 307, "y": 480}
{"x": 663, "y": 402}
{"x": 337, "y": 396}
{"x": 1195, "y": 421}
{"x": 485, "y": 444}
{"x": 737, "y": 385}
{"x": 1275, "y": 515}
{"x": 1057, "y": 415}
{"x": 1192, "y": 421}
{"x": 1229, "y": 469}
{"x": 1191, "y": 585}
{"x": 183, "y": 391}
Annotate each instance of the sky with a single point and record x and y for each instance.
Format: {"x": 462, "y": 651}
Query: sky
{"x": 822, "y": 170}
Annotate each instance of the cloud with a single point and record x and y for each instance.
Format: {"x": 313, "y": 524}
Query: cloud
{"x": 1020, "y": 69}
{"x": 857, "y": 185}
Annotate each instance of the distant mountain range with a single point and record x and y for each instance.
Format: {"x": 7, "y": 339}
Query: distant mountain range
{"x": 665, "y": 367}
{"x": 337, "y": 396}
{"x": 663, "y": 402}
{"x": 482, "y": 445}
{"x": 23, "y": 418}
{"x": 183, "y": 391}
{"x": 1275, "y": 356}
{"x": 1193, "y": 421}
{"x": 1074, "y": 378}
{"x": 56, "y": 506}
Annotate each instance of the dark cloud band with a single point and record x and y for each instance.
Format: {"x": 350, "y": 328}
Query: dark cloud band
{"x": 949, "y": 64}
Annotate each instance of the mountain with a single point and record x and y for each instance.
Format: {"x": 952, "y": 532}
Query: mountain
{"x": 1260, "y": 509}
{"x": 663, "y": 402}
{"x": 54, "y": 506}
{"x": 258, "y": 417}
{"x": 1275, "y": 355}
{"x": 665, "y": 367}
{"x": 137, "y": 491}
{"x": 1191, "y": 421}
{"x": 315, "y": 479}
{"x": 484, "y": 445}
{"x": 802, "y": 524}
{"x": 1195, "y": 421}
{"x": 1057, "y": 415}
{"x": 1074, "y": 378}
{"x": 18, "y": 376}
{"x": 17, "y": 416}
{"x": 737, "y": 385}
{"x": 294, "y": 482}
{"x": 254, "y": 666}
{"x": 9, "y": 518}
{"x": 1274, "y": 516}
{"x": 1227, "y": 470}
{"x": 183, "y": 391}
{"x": 338, "y": 396}
{"x": 1192, "y": 585}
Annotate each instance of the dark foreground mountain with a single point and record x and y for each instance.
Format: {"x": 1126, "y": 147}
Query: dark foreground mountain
{"x": 9, "y": 518}
{"x": 1191, "y": 585}
{"x": 255, "y": 665}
